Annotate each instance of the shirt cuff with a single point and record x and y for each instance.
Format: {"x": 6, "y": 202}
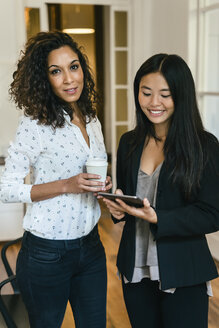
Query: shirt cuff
{"x": 24, "y": 193}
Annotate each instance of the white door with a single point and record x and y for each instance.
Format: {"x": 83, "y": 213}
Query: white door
{"x": 120, "y": 77}
{"x": 36, "y": 15}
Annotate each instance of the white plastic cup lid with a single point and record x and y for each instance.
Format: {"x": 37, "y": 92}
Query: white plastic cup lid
{"x": 96, "y": 162}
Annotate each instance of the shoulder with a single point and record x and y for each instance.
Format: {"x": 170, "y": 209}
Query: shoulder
{"x": 94, "y": 121}
{"x": 211, "y": 152}
{"x": 95, "y": 124}
{"x": 27, "y": 124}
{"x": 127, "y": 137}
{"x": 23, "y": 119}
{"x": 96, "y": 127}
{"x": 125, "y": 145}
{"x": 126, "y": 140}
{"x": 211, "y": 144}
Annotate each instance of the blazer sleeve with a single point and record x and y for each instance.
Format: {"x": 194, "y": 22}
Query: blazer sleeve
{"x": 201, "y": 216}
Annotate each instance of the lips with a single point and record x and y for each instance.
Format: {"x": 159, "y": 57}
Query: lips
{"x": 71, "y": 91}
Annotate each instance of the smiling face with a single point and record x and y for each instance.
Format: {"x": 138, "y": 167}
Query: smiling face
{"x": 155, "y": 100}
{"x": 65, "y": 74}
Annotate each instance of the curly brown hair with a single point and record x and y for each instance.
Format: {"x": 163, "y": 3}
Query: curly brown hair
{"x": 31, "y": 89}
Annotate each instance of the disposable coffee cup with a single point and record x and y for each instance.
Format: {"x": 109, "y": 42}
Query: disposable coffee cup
{"x": 97, "y": 166}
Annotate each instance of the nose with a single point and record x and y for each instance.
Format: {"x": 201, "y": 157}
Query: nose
{"x": 67, "y": 77}
{"x": 155, "y": 100}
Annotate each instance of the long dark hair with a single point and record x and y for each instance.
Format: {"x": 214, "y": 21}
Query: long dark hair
{"x": 31, "y": 89}
{"x": 185, "y": 148}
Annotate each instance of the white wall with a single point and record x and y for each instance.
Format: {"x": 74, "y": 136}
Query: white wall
{"x": 141, "y": 32}
{"x": 158, "y": 26}
{"x": 169, "y": 26}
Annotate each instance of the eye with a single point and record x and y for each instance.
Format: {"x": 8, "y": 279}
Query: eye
{"x": 165, "y": 96}
{"x": 147, "y": 94}
{"x": 54, "y": 71}
{"x": 74, "y": 67}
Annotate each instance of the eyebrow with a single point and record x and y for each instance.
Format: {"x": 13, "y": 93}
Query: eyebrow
{"x": 53, "y": 65}
{"x": 144, "y": 87}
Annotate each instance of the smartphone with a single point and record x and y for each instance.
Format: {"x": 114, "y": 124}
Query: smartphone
{"x": 129, "y": 200}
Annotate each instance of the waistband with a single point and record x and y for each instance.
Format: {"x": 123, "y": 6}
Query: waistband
{"x": 31, "y": 239}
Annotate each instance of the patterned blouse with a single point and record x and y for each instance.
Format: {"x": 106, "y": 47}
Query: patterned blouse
{"x": 50, "y": 155}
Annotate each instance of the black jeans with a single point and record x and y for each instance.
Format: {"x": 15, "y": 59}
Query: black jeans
{"x": 51, "y": 272}
{"x": 149, "y": 307}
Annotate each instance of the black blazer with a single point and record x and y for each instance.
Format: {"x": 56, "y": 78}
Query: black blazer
{"x": 183, "y": 255}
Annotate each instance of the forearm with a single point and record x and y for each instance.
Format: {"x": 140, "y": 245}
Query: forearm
{"x": 48, "y": 190}
{"x": 77, "y": 184}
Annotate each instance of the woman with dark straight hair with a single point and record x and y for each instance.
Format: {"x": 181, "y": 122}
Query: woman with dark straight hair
{"x": 62, "y": 258}
{"x": 185, "y": 142}
{"x": 170, "y": 162}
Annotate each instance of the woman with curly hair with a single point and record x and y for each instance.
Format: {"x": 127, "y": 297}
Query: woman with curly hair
{"x": 62, "y": 257}
{"x": 172, "y": 164}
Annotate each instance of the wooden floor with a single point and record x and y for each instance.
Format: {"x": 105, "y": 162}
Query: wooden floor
{"x": 116, "y": 312}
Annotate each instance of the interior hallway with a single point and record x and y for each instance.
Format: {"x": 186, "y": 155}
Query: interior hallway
{"x": 116, "y": 313}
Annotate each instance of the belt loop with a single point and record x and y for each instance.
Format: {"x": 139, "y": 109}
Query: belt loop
{"x": 24, "y": 236}
{"x": 81, "y": 241}
{"x": 66, "y": 244}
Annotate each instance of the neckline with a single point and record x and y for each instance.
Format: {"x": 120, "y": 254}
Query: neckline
{"x": 150, "y": 175}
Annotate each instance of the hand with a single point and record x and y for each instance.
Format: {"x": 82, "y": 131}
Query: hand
{"x": 108, "y": 183}
{"x": 108, "y": 186}
{"x": 146, "y": 212}
{"x": 115, "y": 209}
{"x": 118, "y": 210}
{"x": 82, "y": 183}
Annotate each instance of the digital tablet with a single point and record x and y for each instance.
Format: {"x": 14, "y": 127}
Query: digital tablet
{"x": 129, "y": 200}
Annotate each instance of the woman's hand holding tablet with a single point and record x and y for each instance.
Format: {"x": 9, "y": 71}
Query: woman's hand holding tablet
{"x": 129, "y": 200}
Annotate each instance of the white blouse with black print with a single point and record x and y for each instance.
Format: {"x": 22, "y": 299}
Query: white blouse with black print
{"x": 50, "y": 155}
